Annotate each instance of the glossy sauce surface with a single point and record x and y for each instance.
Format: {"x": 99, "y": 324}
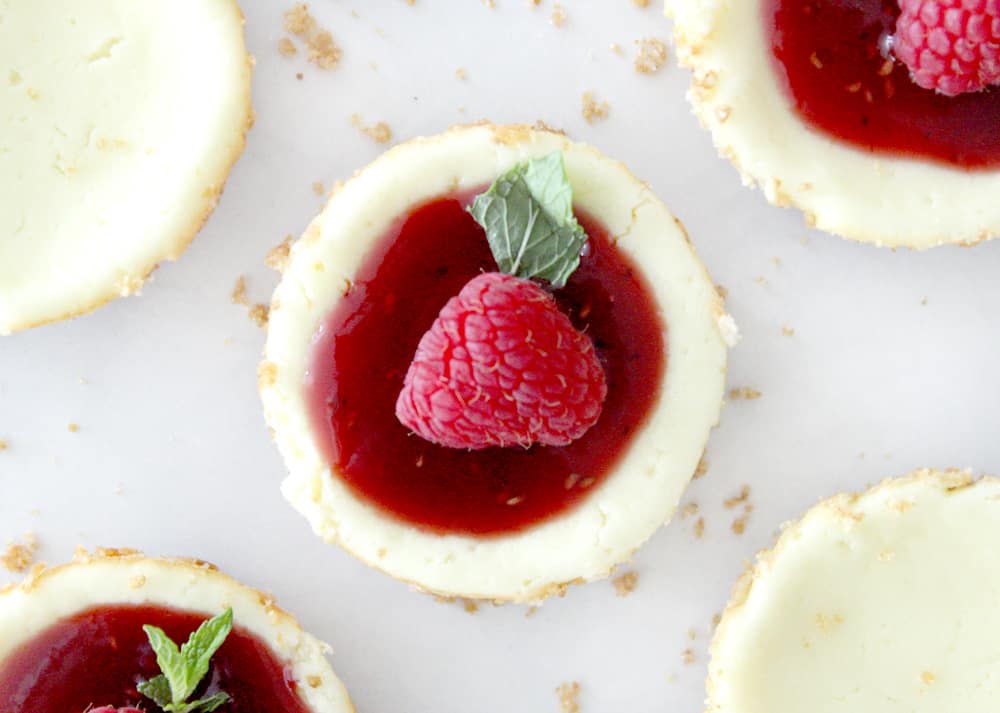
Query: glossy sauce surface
{"x": 98, "y": 657}
{"x": 827, "y": 54}
{"x": 365, "y": 347}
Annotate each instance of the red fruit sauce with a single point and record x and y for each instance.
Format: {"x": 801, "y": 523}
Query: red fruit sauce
{"x": 827, "y": 54}
{"x": 362, "y": 353}
{"x": 99, "y": 656}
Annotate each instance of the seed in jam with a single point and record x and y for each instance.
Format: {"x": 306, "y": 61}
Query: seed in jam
{"x": 833, "y": 57}
{"x": 362, "y": 352}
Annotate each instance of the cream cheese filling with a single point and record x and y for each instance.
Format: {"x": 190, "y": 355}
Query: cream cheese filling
{"x": 633, "y": 502}
{"x": 126, "y": 577}
{"x": 843, "y": 190}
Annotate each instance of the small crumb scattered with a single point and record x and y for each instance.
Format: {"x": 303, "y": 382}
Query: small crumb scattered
{"x": 716, "y": 619}
{"x": 558, "y": 16}
{"x": 594, "y": 110}
{"x": 640, "y": 3}
{"x": 19, "y": 556}
{"x": 687, "y": 656}
{"x": 260, "y": 313}
{"x": 532, "y": 610}
{"x": 239, "y": 293}
{"x": 320, "y": 47}
{"x": 380, "y": 132}
{"x": 299, "y": 76}
{"x": 616, "y": 48}
{"x": 692, "y": 634}
{"x": 73, "y": 428}
{"x": 702, "y": 469}
{"x": 723, "y": 292}
{"x": 744, "y": 393}
{"x": 470, "y": 606}
{"x": 626, "y": 583}
{"x": 298, "y": 21}
{"x": 699, "y": 528}
{"x": 569, "y": 697}
{"x": 460, "y": 74}
{"x": 927, "y": 677}
{"x": 787, "y": 331}
{"x": 923, "y": 302}
{"x": 739, "y": 525}
{"x": 277, "y": 257}
{"x": 4, "y": 445}
{"x": 287, "y": 48}
{"x": 652, "y": 55}
{"x": 689, "y": 510}
{"x": 323, "y": 51}
{"x": 34, "y": 94}
{"x": 318, "y": 188}
{"x": 737, "y": 500}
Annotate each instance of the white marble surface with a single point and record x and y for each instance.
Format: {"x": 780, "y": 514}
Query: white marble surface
{"x": 172, "y": 455}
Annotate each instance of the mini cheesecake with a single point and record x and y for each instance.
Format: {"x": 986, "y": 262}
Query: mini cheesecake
{"x": 118, "y": 127}
{"x": 881, "y": 601}
{"x": 514, "y": 524}
{"x": 71, "y": 638}
{"x": 808, "y": 103}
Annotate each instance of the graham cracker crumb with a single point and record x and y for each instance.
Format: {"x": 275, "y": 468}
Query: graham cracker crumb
{"x": 277, "y": 257}
{"x": 701, "y": 470}
{"x": 323, "y": 51}
{"x": 739, "y": 525}
{"x": 298, "y": 21}
{"x": 626, "y": 583}
{"x": 569, "y": 697}
{"x": 688, "y": 656}
{"x": 532, "y": 610}
{"x": 923, "y": 302}
{"x": 260, "y": 313}
{"x": 616, "y": 48}
{"x": 594, "y": 110}
{"x": 787, "y": 331}
{"x": 723, "y": 292}
{"x": 19, "y": 556}
{"x": 380, "y": 132}
{"x": 314, "y": 681}
{"x": 927, "y": 677}
{"x": 239, "y": 293}
{"x": 318, "y": 188}
{"x": 745, "y": 393}
{"x": 652, "y": 55}
{"x": 558, "y": 15}
{"x": 699, "y": 528}
{"x": 716, "y": 619}
{"x": 286, "y": 48}
{"x": 640, "y": 3}
{"x": 73, "y": 428}
{"x": 689, "y": 510}
{"x": 460, "y": 74}
{"x": 692, "y": 634}
{"x": 470, "y": 606}
{"x": 4, "y": 445}
{"x": 743, "y": 497}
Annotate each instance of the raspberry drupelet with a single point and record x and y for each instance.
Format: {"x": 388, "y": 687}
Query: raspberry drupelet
{"x": 502, "y": 366}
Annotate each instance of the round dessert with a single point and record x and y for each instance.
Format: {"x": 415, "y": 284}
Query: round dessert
{"x": 839, "y": 107}
{"x": 104, "y": 631}
{"x": 492, "y": 391}
{"x": 118, "y": 128}
{"x": 873, "y": 602}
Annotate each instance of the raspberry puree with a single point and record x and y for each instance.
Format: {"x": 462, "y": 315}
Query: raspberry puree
{"x": 363, "y": 351}
{"x": 827, "y": 53}
{"x": 99, "y": 656}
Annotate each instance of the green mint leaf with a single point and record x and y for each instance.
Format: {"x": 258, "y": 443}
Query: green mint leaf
{"x": 209, "y": 704}
{"x": 157, "y": 689}
{"x": 168, "y": 658}
{"x": 184, "y": 668}
{"x": 201, "y": 646}
{"x": 528, "y": 217}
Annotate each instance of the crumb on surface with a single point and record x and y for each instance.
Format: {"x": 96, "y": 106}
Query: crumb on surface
{"x": 460, "y": 74}
{"x": 532, "y": 610}
{"x": 927, "y": 677}
{"x": 558, "y": 15}
{"x": 19, "y": 556}
{"x": 739, "y": 525}
{"x": 593, "y": 109}
{"x": 702, "y": 468}
{"x": 743, "y": 497}
{"x": 277, "y": 257}
{"x": 716, "y": 619}
{"x": 287, "y": 48}
{"x": 471, "y": 606}
{"x": 652, "y": 55}
{"x": 318, "y": 188}
{"x": 323, "y": 51}
{"x": 239, "y": 294}
{"x": 299, "y": 21}
{"x": 699, "y": 528}
{"x": 260, "y": 314}
{"x": 4, "y": 445}
{"x": 687, "y": 656}
{"x": 723, "y": 292}
{"x": 380, "y": 132}
{"x": 787, "y": 331}
{"x": 73, "y": 428}
{"x": 625, "y": 583}
{"x": 569, "y": 697}
{"x": 744, "y": 393}
{"x": 689, "y": 510}
{"x": 640, "y": 3}
{"x": 320, "y": 48}
{"x": 616, "y": 48}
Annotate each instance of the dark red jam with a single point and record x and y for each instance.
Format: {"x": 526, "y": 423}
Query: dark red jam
{"x": 362, "y": 354}
{"x": 99, "y": 656}
{"x": 830, "y": 56}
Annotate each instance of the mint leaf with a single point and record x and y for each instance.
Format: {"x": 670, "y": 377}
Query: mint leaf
{"x": 157, "y": 689}
{"x": 184, "y": 668}
{"x": 207, "y": 705}
{"x": 528, "y": 217}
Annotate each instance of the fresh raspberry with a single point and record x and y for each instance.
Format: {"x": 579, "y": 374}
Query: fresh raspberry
{"x": 952, "y": 46}
{"x": 502, "y": 366}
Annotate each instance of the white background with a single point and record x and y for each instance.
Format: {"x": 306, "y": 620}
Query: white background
{"x": 173, "y": 456}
